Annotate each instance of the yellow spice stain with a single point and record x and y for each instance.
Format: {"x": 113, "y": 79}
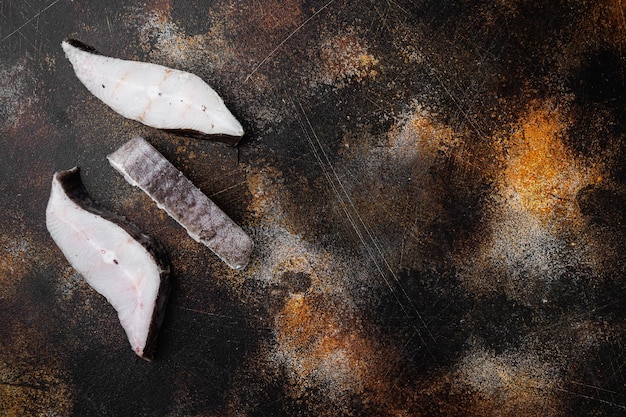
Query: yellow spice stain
{"x": 541, "y": 173}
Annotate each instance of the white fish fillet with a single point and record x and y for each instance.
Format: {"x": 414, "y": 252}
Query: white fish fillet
{"x": 143, "y": 166}
{"x": 117, "y": 260}
{"x": 154, "y": 95}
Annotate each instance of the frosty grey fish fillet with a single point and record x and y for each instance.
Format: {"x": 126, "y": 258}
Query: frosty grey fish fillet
{"x": 144, "y": 167}
{"x": 116, "y": 259}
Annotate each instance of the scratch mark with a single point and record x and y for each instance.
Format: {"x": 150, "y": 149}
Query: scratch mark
{"x": 457, "y": 103}
{"x": 208, "y": 313}
{"x": 109, "y": 26}
{"x": 29, "y": 21}
{"x": 383, "y": 19}
{"x": 623, "y": 24}
{"x": 404, "y": 235}
{"x": 578, "y": 317}
{"x": 398, "y": 6}
{"x": 376, "y": 254}
{"x": 595, "y": 387}
{"x": 227, "y": 189}
{"x": 260, "y": 64}
{"x": 236, "y": 320}
{"x": 591, "y": 398}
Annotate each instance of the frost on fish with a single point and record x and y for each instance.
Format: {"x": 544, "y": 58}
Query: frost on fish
{"x": 143, "y": 166}
{"x": 154, "y": 95}
{"x": 129, "y": 268}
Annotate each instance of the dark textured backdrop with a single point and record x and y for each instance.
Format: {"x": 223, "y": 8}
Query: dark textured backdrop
{"x": 436, "y": 190}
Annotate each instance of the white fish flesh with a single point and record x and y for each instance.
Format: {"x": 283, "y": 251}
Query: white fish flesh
{"x": 154, "y": 95}
{"x": 144, "y": 167}
{"x": 129, "y": 268}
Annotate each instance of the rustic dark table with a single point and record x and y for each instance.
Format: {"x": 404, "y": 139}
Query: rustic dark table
{"x": 436, "y": 191}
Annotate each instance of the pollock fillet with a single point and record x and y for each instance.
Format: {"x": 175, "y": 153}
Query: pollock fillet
{"x": 144, "y": 167}
{"x": 129, "y": 268}
{"x": 154, "y": 95}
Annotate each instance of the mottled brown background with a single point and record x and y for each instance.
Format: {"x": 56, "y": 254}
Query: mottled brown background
{"x": 436, "y": 190}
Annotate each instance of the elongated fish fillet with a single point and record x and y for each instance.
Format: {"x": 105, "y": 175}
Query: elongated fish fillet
{"x": 144, "y": 167}
{"x": 154, "y": 95}
{"x": 126, "y": 266}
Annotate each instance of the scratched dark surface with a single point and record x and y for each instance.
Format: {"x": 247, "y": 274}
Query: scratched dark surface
{"x": 436, "y": 190}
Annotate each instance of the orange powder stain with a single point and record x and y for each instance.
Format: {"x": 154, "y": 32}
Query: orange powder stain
{"x": 168, "y": 43}
{"x": 326, "y": 348}
{"x": 541, "y": 173}
{"x": 274, "y": 15}
{"x": 432, "y": 137}
{"x": 418, "y": 135}
{"x": 345, "y": 58}
{"x": 14, "y": 263}
{"x": 609, "y": 16}
{"x": 37, "y": 392}
{"x": 519, "y": 384}
{"x": 309, "y": 330}
{"x": 266, "y": 195}
{"x": 32, "y": 383}
{"x": 161, "y": 5}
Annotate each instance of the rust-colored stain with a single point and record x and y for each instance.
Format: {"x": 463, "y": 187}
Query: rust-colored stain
{"x": 264, "y": 193}
{"x": 327, "y": 353}
{"x": 345, "y": 58}
{"x": 316, "y": 347}
{"x": 274, "y": 15}
{"x": 29, "y": 388}
{"x": 436, "y": 192}
{"x": 432, "y": 137}
{"x": 15, "y": 262}
{"x": 162, "y": 38}
{"x": 609, "y": 19}
{"x": 541, "y": 173}
{"x": 510, "y": 384}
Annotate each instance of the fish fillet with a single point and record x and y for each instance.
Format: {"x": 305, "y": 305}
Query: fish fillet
{"x": 157, "y": 96}
{"x": 144, "y": 167}
{"x": 129, "y": 268}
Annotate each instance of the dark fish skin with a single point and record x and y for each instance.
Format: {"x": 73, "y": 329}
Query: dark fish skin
{"x": 143, "y": 166}
{"x": 227, "y": 139}
{"x": 75, "y": 190}
{"x": 83, "y": 46}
